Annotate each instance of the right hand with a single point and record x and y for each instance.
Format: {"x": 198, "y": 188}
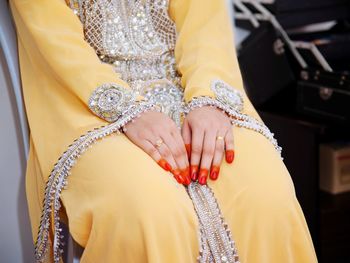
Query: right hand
{"x": 171, "y": 155}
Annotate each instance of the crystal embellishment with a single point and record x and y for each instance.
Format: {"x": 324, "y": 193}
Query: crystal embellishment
{"x": 127, "y": 28}
{"x": 166, "y": 95}
{"x": 109, "y": 101}
{"x": 217, "y": 244}
{"x": 227, "y": 94}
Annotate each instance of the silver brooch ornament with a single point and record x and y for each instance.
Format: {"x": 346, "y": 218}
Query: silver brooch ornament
{"x": 109, "y": 101}
{"x": 227, "y": 94}
{"x": 167, "y": 96}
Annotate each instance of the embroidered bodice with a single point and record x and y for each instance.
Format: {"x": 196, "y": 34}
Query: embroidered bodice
{"x": 138, "y": 38}
{"x": 127, "y": 29}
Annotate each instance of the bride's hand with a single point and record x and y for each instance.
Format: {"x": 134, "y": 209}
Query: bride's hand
{"x": 207, "y": 132}
{"x": 153, "y": 128}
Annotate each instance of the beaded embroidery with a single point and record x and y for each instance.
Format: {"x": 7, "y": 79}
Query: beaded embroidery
{"x": 216, "y": 241}
{"x": 126, "y": 29}
{"x": 138, "y": 38}
{"x": 227, "y": 94}
{"x": 109, "y": 101}
{"x": 165, "y": 94}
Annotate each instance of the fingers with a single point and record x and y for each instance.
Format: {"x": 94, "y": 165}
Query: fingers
{"x": 181, "y": 149}
{"x": 186, "y": 136}
{"x": 207, "y": 155}
{"x": 159, "y": 137}
{"x": 208, "y": 150}
{"x": 229, "y": 145}
{"x": 218, "y": 155}
{"x": 176, "y": 145}
{"x": 196, "y": 151}
{"x": 152, "y": 151}
{"x": 166, "y": 154}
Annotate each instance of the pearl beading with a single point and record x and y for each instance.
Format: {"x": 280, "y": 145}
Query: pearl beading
{"x": 128, "y": 29}
{"x": 216, "y": 241}
{"x": 165, "y": 94}
{"x": 163, "y": 66}
{"x": 110, "y": 101}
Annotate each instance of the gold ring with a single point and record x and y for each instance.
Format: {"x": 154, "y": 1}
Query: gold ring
{"x": 159, "y": 142}
{"x": 219, "y": 137}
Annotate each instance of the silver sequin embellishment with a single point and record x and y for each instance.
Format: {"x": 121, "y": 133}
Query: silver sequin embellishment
{"x": 227, "y": 94}
{"x": 165, "y": 94}
{"x": 110, "y": 101}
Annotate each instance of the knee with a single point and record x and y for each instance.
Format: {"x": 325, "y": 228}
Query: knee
{"x": 273, "y": 197}
{"x": 149, "y": 204}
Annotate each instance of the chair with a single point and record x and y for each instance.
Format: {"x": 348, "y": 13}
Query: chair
{"x": 8, "y": 45}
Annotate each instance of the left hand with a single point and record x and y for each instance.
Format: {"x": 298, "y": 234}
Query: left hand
{"x": 207, "y": 133}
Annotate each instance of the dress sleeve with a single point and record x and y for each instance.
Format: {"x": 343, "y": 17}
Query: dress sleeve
{"x": 205, "y": 53}
{"x": 51, "y": 31}
{"x": 206, "y": 58}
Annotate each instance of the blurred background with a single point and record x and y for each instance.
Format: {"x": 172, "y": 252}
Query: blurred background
{"x": 295, "y": 61}
{"x": 294, "y": 57}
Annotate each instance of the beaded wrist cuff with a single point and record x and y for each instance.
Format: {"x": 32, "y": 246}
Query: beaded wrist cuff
{"x": 230, "y": 101}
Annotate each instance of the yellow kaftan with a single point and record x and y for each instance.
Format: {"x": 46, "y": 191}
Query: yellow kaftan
{"x": 121, "y": 206}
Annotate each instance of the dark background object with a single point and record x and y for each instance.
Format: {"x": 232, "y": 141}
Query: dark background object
{"x": 327, "y": 216}
{"x": 264, "y": 64}
{"x": 325, "y": 95}
{"x": 332, "y": 43}
{"x": 289, "y": 100}
{"x": 295, "y": 13}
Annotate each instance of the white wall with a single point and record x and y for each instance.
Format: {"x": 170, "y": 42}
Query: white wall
{"x": 15, "y": 236}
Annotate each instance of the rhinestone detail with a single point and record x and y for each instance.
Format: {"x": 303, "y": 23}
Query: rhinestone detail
{"x": 128, "y": 29}
{"x": 216, "y": 241}
{"x": 227, "y": 94}
{"x": 165, "y": 94}
{"x": 109, "y": 101}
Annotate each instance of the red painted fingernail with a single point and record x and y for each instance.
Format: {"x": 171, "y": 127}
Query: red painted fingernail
{"x": 186, "y": 175}
{"x": 168, "y": 166}
{"x": 202, "y": 177}
{"x": 164, "y": 164}
{"x": 194, "y": 172}
{"x": 214, "y": 172}
{"x": 178, "y": 179}
{"x": 230, "y": 155}
{"x": 178, "y": 176}
{"x": 188, "y": 150}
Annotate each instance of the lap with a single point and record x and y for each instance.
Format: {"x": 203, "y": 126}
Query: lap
{"x": 115, "y": 176}
{"x": 116, "y": 180}
{"x": 257, "y": 172}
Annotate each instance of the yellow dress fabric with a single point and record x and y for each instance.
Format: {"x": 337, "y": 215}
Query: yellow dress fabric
{"x": 121, "y": 206}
